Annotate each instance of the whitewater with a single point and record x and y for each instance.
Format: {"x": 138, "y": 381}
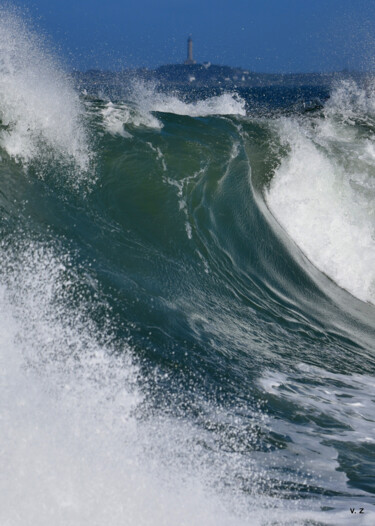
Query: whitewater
{"x": 187, "y": 299}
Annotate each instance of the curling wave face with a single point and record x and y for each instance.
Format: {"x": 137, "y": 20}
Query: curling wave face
{"x": 323, "y": 192}
{"x": 178, "y": 342}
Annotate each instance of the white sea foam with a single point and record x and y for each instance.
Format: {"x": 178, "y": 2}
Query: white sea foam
{"x": 143, "y": 100}
{"x": 40, "y": 113}
{"x": 148, "y": 97}
{"x": 323, "y": 192}
{"x": 225, "y": 104}
{"x": 116, "y": 116}
{"x": 350, "y": 102}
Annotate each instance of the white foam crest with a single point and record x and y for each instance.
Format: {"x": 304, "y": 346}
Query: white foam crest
{"x": 351, "y": 101}
{"x": 144, "y": 99}
{"x": 225, "y": 104}
{"x": 40, "y": 113}
{"x": 148, "y": 98}
{"x": 323, "y": 194}
{"x": 114, "y": 119}
{"x": 115, "y": 116}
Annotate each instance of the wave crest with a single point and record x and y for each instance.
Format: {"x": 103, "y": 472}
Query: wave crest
{"x": 323, "y": 192}
{"x": 41, "y": 116}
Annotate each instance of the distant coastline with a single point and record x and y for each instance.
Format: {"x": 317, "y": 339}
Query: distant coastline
{"x": 211, "y": 75}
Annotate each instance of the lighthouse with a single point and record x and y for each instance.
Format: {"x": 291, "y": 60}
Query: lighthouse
{"x": 189, "y": 59}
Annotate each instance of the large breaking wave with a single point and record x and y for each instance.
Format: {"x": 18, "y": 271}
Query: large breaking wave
{"x": 160, "y": 334}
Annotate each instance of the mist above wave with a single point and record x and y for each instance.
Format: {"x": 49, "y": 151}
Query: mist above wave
{"x": 41, "y": 117}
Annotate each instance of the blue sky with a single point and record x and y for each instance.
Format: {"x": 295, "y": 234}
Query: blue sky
{"x": 261, "y": 35}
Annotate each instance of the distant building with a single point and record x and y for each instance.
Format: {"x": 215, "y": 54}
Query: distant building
{"x": 189, "y": 59}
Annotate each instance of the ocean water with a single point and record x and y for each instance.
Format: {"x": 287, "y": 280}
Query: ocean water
{"x": 187, "y": 300}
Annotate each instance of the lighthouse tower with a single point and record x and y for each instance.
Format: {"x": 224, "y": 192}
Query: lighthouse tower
{"x": 189, "y": 59}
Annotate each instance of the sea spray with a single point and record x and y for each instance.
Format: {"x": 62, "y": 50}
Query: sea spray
{"x": 323, "y": 192}
{"x": 145, "y": 99}
{"x": 41, "y": 117}
{"x": 77, "y": 444}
